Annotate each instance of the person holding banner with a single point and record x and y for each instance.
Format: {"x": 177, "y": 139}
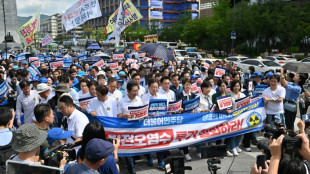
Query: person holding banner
{"x": 222, "y": 86}
{"x": 83, "y": 93}
{"x": 186, "y": 95}
{"x": 236, "y": 94}
{"x": 153, "y": 92}
{"x": 205, "y": 97}
{"x": 102, "y": 105}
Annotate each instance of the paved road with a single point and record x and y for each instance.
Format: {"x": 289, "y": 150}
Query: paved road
{"x": 241, "y": 165}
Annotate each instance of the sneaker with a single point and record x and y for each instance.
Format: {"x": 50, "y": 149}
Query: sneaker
{"x": 182, "y": 152}
{"x": 229, "y": 154}
{"x": 248, "y": 149}
{"x": 198, "y": 154}
{"x": 187, "y": 157}
{"x": 161, "y": 165}
{"x": 150, "y": 162}
{"x": 235, "y": 153}
{"x": 238, "y": 149}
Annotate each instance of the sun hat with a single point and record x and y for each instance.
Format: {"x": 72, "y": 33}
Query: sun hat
{"x": 62, "y": 88}
{"x": 42, "y": 88}
{"x": 28, "y": 137}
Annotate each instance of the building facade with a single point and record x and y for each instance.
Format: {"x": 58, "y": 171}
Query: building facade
{"x": 53, "y": 26}
{"x": 167, "y": 13}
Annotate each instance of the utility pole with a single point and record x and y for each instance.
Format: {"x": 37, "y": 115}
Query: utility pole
{"x": 6, "y": 47}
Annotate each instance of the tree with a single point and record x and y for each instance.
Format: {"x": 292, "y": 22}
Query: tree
{"x": 99, "y": 34}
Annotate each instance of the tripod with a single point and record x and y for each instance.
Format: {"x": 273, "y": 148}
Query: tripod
{"x": 211, "y": 165}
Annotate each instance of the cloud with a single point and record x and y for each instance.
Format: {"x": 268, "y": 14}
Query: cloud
{"x": 48, "y": 7}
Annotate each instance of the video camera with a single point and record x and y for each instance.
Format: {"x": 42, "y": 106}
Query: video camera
{"x": 289, "y": 142}
{"x": 264, "y": 146}
{"x": 55, "y": 155}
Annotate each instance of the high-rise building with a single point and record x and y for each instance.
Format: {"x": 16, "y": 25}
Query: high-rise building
{"x": 170, "y": 11}
{"x": 10, "y": 12}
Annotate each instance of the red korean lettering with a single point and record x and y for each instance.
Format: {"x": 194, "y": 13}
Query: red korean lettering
{"x": 23, "y": 32}
{"x": 233, "y": 126}
{"x": 204, "y": 133}
{"x": 223, "y": 128}
{"x": 181, "y": 135}
{"x": 192, "y": 134}
{"x": 239, "y": 124}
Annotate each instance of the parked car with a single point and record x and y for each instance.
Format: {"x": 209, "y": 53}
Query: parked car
{"x": 261, "y": 65}
{"x": 305, "y": 60}
{"x": 278, "y": 59}
{"x": 180, "y": 55}
{"x": 199, "y": 55}
{"x": 236, "y": 58}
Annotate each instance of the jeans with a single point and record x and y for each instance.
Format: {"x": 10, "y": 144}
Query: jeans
{"x": 234, "y": 141}
{"x": 130, "y": 164}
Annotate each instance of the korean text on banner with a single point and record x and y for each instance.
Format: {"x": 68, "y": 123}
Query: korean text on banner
{"x": 157, "y": 107}
{"x": 219, "y": 72}
{"x": 207, "y": 66}
{"x": 175, "y": 107}
{"x": 190, "y": 105}
{"x": 27, "y": 31}
{"x": 80, "y": 12}
{"x": 116, "y": 35}
{"x": 118, "y": 57}
{"x": 113, "y": 65}
{"x": 131, "y": 15}
{"x": 162, "y": 133}
{"x": 156, "y": 3}
{"x": 224, "y": 102}
{"x": 36, "y": 63}
{"x": 47, "y": 40}
{"x": 242, "y": 102}
{"x": 137, "y": 113}
{"x": 85, "y": 101}
{"x": 99, "y": 64}
{"x": 260, "y": 88}
{"x": 128, "y": 61}
{"x": 54, "y": 65}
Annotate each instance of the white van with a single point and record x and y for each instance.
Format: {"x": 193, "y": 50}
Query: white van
{"x": 170, "y": 45}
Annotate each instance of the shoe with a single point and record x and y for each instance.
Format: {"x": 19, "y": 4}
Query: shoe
{"x": 182, "y": 152}
{"x": 235, "y": 153}
{"x": 198, "y": 154}
{"x": 248, "y": 149}
{"x": 255, "y": 142}
{"x": 238, "y": 149}
{"x": 229, "y": 154}
{"x": 161, "y": 165}
{"x": 150, "y": 162}
{"x": 187, "y": 157}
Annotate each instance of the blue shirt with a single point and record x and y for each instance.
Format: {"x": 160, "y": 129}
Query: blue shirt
{"x": 5, "y": 136}
{"x": 175, "y": 90}
{"x": 292, "y": 91}
{"x": 109, "y": 167}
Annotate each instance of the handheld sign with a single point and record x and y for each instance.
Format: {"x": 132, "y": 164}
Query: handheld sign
{"x": 260, "y": 88}
{"x": 190, "y": 105}
{"x": 207, "y": 66}
{"x": 175, "y": 107}
{"x": 219, "y": 72}
{"x": 194, "y": 88}
{"x": 250, "y": 85}
{"x": 224, "y": 102}
{"x": 55, "y": 64}
{"x": 118, "y": 57}
{"x": 242, "y": 102}
{"x": 85, "y": 101}
{"x": 157, "y": 107}
{"x": 137, "y": 113}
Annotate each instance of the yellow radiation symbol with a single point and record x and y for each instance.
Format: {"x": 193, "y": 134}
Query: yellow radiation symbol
{"x": 253, "y": 120}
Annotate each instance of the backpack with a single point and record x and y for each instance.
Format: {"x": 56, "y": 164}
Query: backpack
{"x": 5, "y": 153}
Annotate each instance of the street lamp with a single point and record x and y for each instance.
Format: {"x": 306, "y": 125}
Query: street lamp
{"x": 233, "y": 33}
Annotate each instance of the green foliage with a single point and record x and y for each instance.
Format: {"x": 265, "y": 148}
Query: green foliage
{"x": 300, "y": 57}
{"x": 99, "y": 34}
{"x": 291, "y": 50}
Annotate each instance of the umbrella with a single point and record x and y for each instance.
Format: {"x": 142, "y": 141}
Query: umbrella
{"x": 157, "y": 51}
{"x": 93, "y": 46}
{"x": 298, "y": 67}
{"x": 92, "y": 60}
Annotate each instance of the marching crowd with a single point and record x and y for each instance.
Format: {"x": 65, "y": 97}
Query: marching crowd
{"x": 41, "y": 112}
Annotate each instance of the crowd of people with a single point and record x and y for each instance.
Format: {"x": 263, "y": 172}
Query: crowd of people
{"x": 41, "y": 112}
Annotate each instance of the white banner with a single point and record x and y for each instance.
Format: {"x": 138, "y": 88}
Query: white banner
{"x": 47, "y": 40}
{"x": 156, "y": 3}
{"x": 116, "y": 35}
{"x": 156, "y": 15}
{"x": 80, "y": 12}
{"x": 167, "y": 132}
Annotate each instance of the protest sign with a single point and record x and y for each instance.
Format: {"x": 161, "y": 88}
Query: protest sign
{"x": 33, "y": 70}
{"x": 67, "y": 63}
{"x": 131, "y": 15}
{"x": 99, "y": 64}
{"x": 82, "y": 57}
{"x": 36, "y": 63}
{"x": 31, "y": 59}
{"x": 46, "y": 40}
{"x": 129, "y": 61}
{"x": 175, "y": 107}
{"x": 118, "y": 57}
{"x": 142, "y": 55}
{"x": 85, "y": 101}
{"x": 224, "y": 102}
{"x": 21, "y": 57}
{"x": 260, "y": 88}
{"x": 163, "y": 133}
{"x": 254, "y": 99}
{"x": 113, "y": 65}
{"x": 207, "y": 66}
{"x": 157, "y": 107}
{"x": 3, "y": 89}
{"x": 137, "y": 113}
{"x": 190, "y": 105}
{"x": 242, "y": 102}
{"x": 80, "y": 12}
{"x": 55, "y": 64}
{"x": 134, "y": 65}
{"x": 26, "y": 32}
{"x": 250, "y": 86}
{"x": 219, "y": 72}
{"x": 158, "y": 63}
{"x": 194, "y": 88}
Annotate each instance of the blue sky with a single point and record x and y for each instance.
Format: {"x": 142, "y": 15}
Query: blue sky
{"x": 48, "y": 7}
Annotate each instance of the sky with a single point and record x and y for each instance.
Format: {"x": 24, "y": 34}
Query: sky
{"x": 48, "y": 7}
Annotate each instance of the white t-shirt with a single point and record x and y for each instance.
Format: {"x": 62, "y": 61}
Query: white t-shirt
{"x": 274, "y": 107}
{"x": 83, "y": 95}
{"x": 107, "y": 108}
{"x": 117, "y": 95}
